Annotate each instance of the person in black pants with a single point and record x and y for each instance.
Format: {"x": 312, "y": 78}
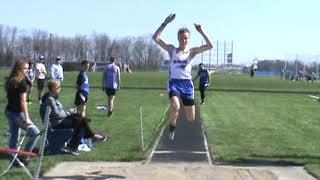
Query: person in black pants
{"x": 64, "y": 119}
{"x": 204, "y": 81}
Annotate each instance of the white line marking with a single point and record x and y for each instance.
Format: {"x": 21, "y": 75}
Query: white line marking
{"x": 314, "y": 97}
{"x": 173, "y": 152}
{"x": 157, "y": 142}
{"x": 205, "y": 142}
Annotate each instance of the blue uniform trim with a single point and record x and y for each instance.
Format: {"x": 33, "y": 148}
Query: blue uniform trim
{"x": 182, "y": 88}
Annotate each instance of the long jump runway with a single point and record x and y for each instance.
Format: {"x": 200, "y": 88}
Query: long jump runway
{"x": 188, "y": 159}
{"x": 189, "y": 144}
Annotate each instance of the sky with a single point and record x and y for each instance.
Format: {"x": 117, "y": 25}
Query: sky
{"x": 272, "y": 29}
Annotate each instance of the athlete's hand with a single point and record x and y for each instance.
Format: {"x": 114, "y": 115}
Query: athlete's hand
{"x": 169, "y": 19}
{"x": 198, "y": 27}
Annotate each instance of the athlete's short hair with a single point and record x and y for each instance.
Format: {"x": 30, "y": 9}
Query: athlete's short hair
{"x": 112, "y": 59}
{"x": 183, "y": 30}
{"x": 84, "y": 62}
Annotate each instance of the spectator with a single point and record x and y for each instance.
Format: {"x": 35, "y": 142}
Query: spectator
{"x": 57, "y": 70}
{"x": 64, "y": 119}
{"x": 31, "y": 77}
{"x": 16, "y": 110}
{"x": 40, "y": 76}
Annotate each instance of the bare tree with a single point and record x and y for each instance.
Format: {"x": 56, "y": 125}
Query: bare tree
{"x": 139, "y": 52}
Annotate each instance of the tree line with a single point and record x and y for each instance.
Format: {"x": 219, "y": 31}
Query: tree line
{"x": 292, "y": 66}
{"x": 140, "y": 52}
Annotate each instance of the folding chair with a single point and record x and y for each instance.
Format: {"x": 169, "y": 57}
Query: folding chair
{"x": 14, "y": 153}
{"x": 56, "y": 138}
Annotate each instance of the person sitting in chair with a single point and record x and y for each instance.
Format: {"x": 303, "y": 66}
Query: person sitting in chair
{"x": 64, "y": 119}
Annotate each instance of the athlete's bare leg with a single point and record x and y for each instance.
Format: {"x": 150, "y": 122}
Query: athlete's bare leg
{"x": 190, "y": 113}
{"x": 174, "y": 110}
{"x": 110, "y": 104}
{"x": 81, "y": 109}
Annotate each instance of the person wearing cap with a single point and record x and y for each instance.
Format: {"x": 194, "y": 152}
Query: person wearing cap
{"x": 204, "y": 81}
{"x": 57, "y": 70}
{"x": 40, "y": 76}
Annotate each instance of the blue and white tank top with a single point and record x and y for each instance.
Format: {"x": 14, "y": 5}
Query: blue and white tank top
{"x": 180, "y": 65}
{"x": 111, "y": 73}
{"x": 83, "y": 82}
{"x": 204, "y": 78}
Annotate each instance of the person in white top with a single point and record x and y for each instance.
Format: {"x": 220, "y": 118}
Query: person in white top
{"x": 57, "y": 70}
{"x": 180, "y": 83}
{"x": 40, "y": 76}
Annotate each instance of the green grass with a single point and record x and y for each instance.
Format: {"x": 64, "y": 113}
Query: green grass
{"x": 238, "y": 82}
{"x": 313, "y": 169}
{"x": 240, "y": 126}
{"x": 262, "y": 126}
{"x": 123, "y": 129}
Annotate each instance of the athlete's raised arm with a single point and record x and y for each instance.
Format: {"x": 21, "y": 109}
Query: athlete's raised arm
{"x": 197, "y": 50}
{"x": 156, "y": 35}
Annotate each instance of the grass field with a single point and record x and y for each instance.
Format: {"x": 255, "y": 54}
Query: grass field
{"x": 123, "y": 129}
{"x": 241, "y": 126}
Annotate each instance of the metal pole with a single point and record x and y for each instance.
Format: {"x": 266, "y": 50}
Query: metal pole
{"x": 202, "y": 52}
{"x": 217, "y": 54}
{"x": 224, "y": 53}
{"x": 317, "y": 69}
{"x": 232, "y": 52}
{"x": 141, "y": 128}
{"x": 296, "y": 66}
{"x": 210, "y": 59}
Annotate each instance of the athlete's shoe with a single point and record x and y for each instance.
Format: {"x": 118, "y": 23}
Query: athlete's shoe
{"x": 171, "y": 132}
{"x": 202, "y": 102}
{"x": 171, "y": 135}
{"x": 70, "y": 151}
{"x": 84, "y": 148}
{"x": 99, "y": 138}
